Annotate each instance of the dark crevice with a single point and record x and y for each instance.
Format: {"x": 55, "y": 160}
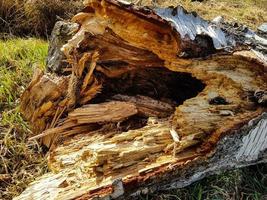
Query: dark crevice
{"x": 158, "y": 83}
{"x": 157, "y": 91}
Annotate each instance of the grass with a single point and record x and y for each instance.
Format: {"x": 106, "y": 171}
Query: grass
{"x": 20, "y": 161}
{"x": 241, "y": 184}
{"x": 17, "y": 57}
{"x": 34, "y": 17}
{"x": 249, "y": 12}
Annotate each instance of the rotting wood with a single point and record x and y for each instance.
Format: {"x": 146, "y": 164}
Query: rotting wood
{"x": 147, "y": 106}
{"x": 149, "y": 99}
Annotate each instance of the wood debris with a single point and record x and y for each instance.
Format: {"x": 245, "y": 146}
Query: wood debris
{"x": 146, "y": 93}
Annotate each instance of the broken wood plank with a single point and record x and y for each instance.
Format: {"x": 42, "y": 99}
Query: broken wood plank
{"x": 113, "y": 111}
{"x": 146, "y": 106}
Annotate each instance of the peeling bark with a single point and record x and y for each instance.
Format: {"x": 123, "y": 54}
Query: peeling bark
{"x": 149, "y": 99}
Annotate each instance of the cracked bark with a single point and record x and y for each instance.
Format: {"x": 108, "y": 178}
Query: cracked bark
{"x": 145, "y": 99}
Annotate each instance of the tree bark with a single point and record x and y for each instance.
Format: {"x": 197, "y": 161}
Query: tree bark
{"x": 145, "y": 99}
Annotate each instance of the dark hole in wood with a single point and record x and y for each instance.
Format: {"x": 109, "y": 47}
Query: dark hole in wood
{"x": 158, "y": 84}
{"x": 218, "y": 101}
{"x": 201, "y": 47}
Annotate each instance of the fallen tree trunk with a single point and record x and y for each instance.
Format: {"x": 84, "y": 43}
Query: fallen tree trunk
{"x": 145, "y": 99}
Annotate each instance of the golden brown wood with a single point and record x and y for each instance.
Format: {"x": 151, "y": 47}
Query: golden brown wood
{"x": 141, "y": 100}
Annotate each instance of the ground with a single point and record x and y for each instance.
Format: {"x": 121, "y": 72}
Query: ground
{"x": 21, "y": 161}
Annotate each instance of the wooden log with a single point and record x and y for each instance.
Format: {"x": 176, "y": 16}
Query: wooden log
{"x": 149, "y": 60}
{"x": 146, "y": 106}
{"x": 113, "y": 111}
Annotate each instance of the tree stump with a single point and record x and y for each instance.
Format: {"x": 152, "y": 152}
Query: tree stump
{"x": 144, "y": 99}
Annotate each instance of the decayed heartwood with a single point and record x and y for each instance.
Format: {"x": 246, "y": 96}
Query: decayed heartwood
{"x": 139, "y": 99}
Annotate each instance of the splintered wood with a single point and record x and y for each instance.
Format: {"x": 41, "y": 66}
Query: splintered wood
{"x": 144, "y": 92}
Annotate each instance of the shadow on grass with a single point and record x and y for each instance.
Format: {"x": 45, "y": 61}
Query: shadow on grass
{"x": 240, "y": 184}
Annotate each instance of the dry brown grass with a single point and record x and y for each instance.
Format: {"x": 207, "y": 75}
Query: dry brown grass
{"x": 34, "y": 17}
{"x": 37, "y": 17}
{"x": 249, "y": 12}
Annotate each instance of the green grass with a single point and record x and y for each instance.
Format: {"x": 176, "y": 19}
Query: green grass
{"x": 20, "y": 161}
{"x": 240, "y": 184}
{"x": 17, "y": 58}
